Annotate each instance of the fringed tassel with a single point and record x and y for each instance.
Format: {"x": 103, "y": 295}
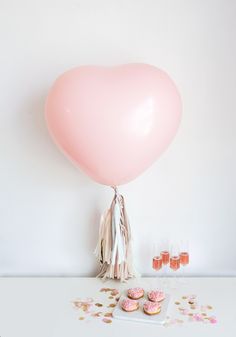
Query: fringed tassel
{"x": 114, "y": 244}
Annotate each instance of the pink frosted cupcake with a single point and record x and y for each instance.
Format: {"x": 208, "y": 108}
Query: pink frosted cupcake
{"x": 151, "y": 308}
{"x": 156, "y": 295}
{"x": 135, "y": 293}
{"x": 129, "y": 305}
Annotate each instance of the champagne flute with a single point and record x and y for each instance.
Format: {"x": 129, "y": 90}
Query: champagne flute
{"x": 175, "y": 262}
{"x": 156, "y": 258}
{"x": 165, "y": 255}
{"x": 184, "y": 255}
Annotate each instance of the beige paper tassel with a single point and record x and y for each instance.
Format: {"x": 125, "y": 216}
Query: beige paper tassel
{"x": 114, "y": 244}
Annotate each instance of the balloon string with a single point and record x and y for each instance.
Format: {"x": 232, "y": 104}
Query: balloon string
{"x": 115, "y": 190}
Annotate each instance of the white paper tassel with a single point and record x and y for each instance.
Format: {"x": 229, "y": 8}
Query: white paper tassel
{"x": 114, "y": 244}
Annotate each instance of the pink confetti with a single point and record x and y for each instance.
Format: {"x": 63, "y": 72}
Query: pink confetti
{"x": 213, "y": 320}
{"x": 198, "y": 317}
{"x": 185, "y": 312}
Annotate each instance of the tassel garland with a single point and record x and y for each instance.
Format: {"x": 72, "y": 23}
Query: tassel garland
{"x": 114, "y": 244}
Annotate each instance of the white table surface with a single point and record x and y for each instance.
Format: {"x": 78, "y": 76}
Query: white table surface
{"x": 33, "y": 307}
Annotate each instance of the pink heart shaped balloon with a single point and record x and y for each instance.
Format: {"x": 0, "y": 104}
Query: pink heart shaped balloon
{"x": 113, "y": 122}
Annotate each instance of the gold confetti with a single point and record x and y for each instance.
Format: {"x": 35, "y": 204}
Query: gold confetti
{"x": 83, "y": 305}
{"x": 114, "y": 292}
{"x": 204, "y": 314}
{"x": 112, "y": 305}
{"x": 108, "y": 314}
{"x": 209, "y": 307}
{"x": 193, "y": 307}
{"x": 96, "y": 314}
{"x": 190, "y": 314}
{"x": 111, "y": 297}
{"x": 81, "y": 318}
{"x": 177, "y": 303}
{"x": 106, "y": 289}
{"x": 99, "y": 304}
{"x": 106, "y": 320}
{"x": 184, "y": 297}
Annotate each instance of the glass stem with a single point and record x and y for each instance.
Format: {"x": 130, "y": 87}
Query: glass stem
{"x": 184, "y": 274}
{"x": 165, "y": 275}
{"x": 175, "y": 279}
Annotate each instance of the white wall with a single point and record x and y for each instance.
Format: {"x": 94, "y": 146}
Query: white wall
{"x": 49, "y": 210}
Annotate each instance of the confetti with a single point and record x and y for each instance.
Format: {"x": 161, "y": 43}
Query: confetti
{"x": 112, "y": 305}
{"x": 198, "y": 317}
{"x": 106, "y": 290}
{"x": 184, "y": 312}
{"x": 106, "y": 320}
{"x": 96, "y": 314}
{"x": 84, "y": 305}
{"x": 213, "y": 320}
{"x": 114, "y": 292}
{"x": 88, "y": 305}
